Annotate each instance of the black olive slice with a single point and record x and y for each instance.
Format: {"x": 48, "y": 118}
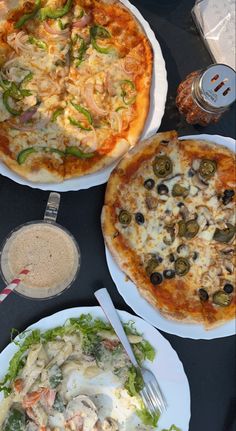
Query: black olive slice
{"x": 228, "y": 288}
{"x": 124, "y": 217}
{"x": 149, "y": 184}
{"x": 221, "y": 298}
{"x": 162, "y": 189}
{"x": 182, "y": 266}
{"x": 169, "y": 273}
{"x": 162, "y": 166}
{"x": 207, "y": 168}
{"x": 203, "y": 295}
{"x": 139, "y": 218}
{"x": 228, "y": 196}
{"x": 156, "y": 278}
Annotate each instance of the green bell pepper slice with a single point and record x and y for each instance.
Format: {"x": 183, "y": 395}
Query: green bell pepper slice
{"x": 24, "y": 154}
{"x": 127, "y": 87}
{"x": 83, "y": 111}
{"x": 26, "y": 17}
{"x": 47, "y": 12}
{"x": 78, "y": 124}
{"x": 101, "y": 49}
{"x": 75, "y": 151}
{"x": 37, "y": 42}
{"x": 99, "y": 32}
{"x": 5, "y": 99}
{"x": 56, "y": 114}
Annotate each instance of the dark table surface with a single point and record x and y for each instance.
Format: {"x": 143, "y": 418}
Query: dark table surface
{"x": 209, "y": 365}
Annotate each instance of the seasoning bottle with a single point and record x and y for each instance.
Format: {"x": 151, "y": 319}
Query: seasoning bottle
{"x": 204, "y": 95}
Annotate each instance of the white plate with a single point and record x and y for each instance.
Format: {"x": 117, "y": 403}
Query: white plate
{"x": 132, "y": 297}
{"x": 167, "y": 367}
{"x": 158, "y": 94}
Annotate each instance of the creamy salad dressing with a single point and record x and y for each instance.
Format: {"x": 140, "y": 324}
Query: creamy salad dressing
{"x": 49, "y": 252}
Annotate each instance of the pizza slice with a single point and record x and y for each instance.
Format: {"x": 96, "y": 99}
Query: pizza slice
{"x": 115, "y": 100}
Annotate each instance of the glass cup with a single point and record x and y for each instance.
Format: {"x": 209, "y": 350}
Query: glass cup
{"x": 47, "y": 249}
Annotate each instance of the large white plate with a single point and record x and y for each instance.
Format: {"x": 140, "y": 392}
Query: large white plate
{"x": 158, "y": 94}
{"x": 167, "y": 367}
{"x": 132, "y": 297}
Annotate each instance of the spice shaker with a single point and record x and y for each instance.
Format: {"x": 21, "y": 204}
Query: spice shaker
{"x": 204, "y": 95}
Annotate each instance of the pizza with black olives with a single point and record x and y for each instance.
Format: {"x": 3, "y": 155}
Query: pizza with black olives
{"x": 75, "y": 78}
{"x": 169, "y": 222}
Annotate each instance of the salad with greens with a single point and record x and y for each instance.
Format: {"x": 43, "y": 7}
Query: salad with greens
{"x": 76, "y": 377}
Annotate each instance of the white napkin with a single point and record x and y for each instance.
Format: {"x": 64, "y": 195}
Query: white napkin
{"x": 216, "y": 20}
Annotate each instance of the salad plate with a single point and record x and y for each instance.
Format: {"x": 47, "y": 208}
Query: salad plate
{"x": 165, "y": 364}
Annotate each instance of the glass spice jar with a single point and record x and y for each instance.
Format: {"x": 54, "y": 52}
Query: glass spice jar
{"x": 204, "y": 95}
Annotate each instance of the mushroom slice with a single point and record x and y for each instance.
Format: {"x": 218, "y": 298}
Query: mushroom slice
{"x": 184, "y": 212}
{"x": 228, "y": 265}
{"x": 204, "y": 216}
{"x": 198, "y": 182}
{"x": 196, "y": 164}
{"x": 110, "y": 424}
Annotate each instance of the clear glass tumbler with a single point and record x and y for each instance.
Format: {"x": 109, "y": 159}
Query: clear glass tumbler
{"x": 50, "y": 252}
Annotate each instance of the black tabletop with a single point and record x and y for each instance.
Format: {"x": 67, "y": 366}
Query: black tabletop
{"x": 209, "y": 365}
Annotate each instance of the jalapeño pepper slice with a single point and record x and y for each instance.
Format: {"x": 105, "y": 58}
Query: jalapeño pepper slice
{"x": 207, "y": 168}
{"x": 151, "y": 265}
{"x": 182, "y": 228}
{"x": 179, "y": 190}
{"x": 124, "y": 217}
{"x": 128, "y": 91}
{"x": 162, "y": 166}
{"x": 221, "y": 298}
{"x": 192, "y": 228}
{"x": 182, "y": 266}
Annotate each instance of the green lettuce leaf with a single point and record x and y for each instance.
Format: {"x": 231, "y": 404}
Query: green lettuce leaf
{"x": 147, "y": 418}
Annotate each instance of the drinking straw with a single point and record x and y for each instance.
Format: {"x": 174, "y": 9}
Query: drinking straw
{"x": 14, "y": 283}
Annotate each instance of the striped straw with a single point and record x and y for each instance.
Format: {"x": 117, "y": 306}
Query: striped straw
{"x": 14, "y": 283}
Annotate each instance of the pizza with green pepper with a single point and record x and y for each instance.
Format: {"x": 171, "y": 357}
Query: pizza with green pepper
{"x": 169, "y": 222}
{"x": 75, "y": 78}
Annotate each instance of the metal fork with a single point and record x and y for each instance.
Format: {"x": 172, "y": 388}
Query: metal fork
{"x": 151, "y": 393}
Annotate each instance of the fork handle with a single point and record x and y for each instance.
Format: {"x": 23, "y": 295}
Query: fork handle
{"x": 107, "y": 305}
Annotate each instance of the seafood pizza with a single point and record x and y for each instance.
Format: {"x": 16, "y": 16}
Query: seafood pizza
{"x": 169, "y": 222}
{"x": 75, "y": 78}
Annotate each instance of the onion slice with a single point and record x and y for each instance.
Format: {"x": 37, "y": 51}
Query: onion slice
{"x": 82, "y": 22}
{"x": 92, "y": 105}
{"x": 54, "y": 32}
{"x": 27, "y": 115}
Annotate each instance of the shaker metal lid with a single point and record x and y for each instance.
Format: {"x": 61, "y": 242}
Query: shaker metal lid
{"x": 217, "y": 86}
